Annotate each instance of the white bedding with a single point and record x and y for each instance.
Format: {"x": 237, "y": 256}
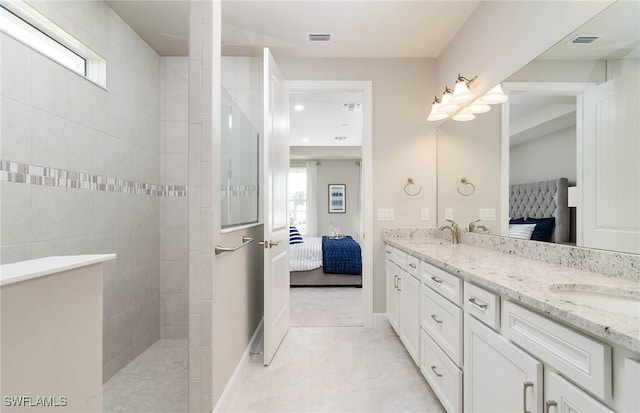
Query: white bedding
{"x": 306, "y": 256}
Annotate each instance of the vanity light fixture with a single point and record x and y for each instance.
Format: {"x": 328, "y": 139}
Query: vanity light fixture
{"x": 446, "y": 106}
{"x": 478, "y": 106}
{"x": 464, "y": 116}
{"x": 494, "y": 96}
{"x": 435, "y": 114}
{"x": 461, "y": 92}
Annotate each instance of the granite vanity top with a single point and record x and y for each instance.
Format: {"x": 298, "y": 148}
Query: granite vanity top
{"x": 530, "y": 282}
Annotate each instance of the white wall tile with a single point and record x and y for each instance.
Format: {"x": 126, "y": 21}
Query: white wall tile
{"x": 48, "y": 213}
{"x": 15, "y": 130}
{"x": 49, "y": 138}
{"x": 176, "y": 213}
{"x": 81, "y": 145}
{"x": 48, "y": 85}
{"x": 80, "y": 216}
{"x": 176, "y": 72}
{"x": 177, "y": 169}
{"x": 177, "y": 137}
{"x": 176, "y": 243}
{"x": 15, "y": 253}
{"x": 176, "y": 309}
{"x": 15, "y": 212}
{"x": 176, "y": 277}
{"x": 124, "y": 331}
{"x": 15, "y": 62}
{"x": 177, "y": 104}
{"x": 48, "y": 248}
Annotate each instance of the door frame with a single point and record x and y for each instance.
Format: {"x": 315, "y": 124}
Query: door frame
{"x": 366, "y": 87}
{"x": 538, "y": 88}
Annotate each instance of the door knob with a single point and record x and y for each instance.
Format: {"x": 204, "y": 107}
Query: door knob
{"x": 269, "y": 244}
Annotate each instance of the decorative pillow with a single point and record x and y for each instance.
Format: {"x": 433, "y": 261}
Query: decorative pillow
{"x": 294, "y": 236}
{"x": 544, "y": 228}
{"x": 522, "y": 231}
{"x": 516, "y": 220}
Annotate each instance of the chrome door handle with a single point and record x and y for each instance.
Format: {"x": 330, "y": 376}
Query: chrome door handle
{"x": 435, "y": 371}
{"x": 269, "y": 244}
{"x": 436, "y": 319}
{"x": 436, "y": 280}
{"x": 526, "y": 385}
{"x": 548, "y": 405}
{"x": 475, "y": 302}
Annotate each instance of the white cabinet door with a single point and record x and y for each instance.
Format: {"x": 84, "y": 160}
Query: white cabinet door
{"x": 393, "y": 295}
{"x": 410, "y": 314}
{"x": 498, "y": 376}
{"x": 563, "y": 397}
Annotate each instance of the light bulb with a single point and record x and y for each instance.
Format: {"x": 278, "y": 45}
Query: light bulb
{"x": 463, "y": 116}
{"x": 494, "y": 96}
{"x": 461, "y": 93}
{"x": 478, "y": 106}
{"x": 435, "y": 115}
{"x": 446, "y": 106}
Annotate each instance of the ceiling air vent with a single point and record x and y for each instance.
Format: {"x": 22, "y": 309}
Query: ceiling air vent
{"x": 340, "y": 138}
{"x": 319, "y": 37}
{"x": 351, "y": 107}
{"x": 585, "y": 39}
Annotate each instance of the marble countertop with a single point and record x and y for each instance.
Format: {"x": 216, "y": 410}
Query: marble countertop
{"x": 530, "y": 282}
{"x": 27, "y": 270}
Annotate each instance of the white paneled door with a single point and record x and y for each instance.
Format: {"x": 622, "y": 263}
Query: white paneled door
{"x": 609, "y": 214}
{"x": 276, "y": 231}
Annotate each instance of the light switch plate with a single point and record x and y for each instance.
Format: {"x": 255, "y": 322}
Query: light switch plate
{"x": 424, "y": 214}
{"x": 386, "y": 214}
{"x": 448, "y": 213}
{"x": 487, "y": 214}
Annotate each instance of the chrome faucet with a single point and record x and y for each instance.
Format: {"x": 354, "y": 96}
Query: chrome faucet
{"x": 454, "y": 230}
{"x": 474, "y": 228}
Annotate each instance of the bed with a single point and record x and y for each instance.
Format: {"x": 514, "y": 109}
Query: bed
{"x": 326, "y": 262}
{"x": 542, "y": 207}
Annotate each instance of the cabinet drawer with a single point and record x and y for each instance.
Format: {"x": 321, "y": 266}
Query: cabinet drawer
{"x": 482, "y": 304}
{"x": 444, "y": 377}
{"x": 562, "y": 396}
{"x": 446, "y": 284}
{"x": 388, "y": 249}
{"x": 399, "y": 258}
{"x": 582, "y": 359}
{"x": 413, "y": 265}
{"x": 443, "y": 321}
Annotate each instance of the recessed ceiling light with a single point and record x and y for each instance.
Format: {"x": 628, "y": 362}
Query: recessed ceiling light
{"x": 305, "y": 140}
{"x": 298, "y": 107}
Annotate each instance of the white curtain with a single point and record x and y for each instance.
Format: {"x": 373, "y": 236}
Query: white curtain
{"x": 312, "y": 204}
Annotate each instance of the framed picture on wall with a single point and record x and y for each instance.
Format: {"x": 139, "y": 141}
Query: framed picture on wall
{"x": 337, "y": 198}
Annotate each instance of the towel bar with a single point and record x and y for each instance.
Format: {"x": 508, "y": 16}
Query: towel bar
{"x": 245, "y": 241}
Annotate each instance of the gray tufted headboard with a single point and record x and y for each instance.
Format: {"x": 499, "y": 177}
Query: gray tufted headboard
{"x": 544, "y": 199}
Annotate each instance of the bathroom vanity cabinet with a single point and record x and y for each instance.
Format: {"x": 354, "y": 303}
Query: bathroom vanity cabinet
{"x": 483, "y": 352}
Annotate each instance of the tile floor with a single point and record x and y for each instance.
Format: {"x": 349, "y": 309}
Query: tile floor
{"x": 154, "y": 382}
{"x": 326, "y": 363}
{"x": 326, "y": 306}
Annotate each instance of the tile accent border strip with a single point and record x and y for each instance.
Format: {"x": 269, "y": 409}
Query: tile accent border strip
{"x": 41, "y": 175}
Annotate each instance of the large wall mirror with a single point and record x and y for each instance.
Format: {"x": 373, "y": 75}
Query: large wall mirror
{"x": 574, "y": 113}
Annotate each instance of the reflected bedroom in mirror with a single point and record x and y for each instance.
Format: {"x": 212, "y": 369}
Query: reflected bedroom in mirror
{"x": 559, "y": 162}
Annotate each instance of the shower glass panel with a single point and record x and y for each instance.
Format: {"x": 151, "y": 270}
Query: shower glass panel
{"x": 239, "y": 164}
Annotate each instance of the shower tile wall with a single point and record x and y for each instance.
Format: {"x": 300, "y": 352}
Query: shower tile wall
{"x": 242, "y": 79}
{"x": 174, "y": 255}
{"x": 54, "y": 118}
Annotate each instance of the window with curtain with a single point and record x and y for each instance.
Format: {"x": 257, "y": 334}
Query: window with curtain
{"x": 298, "y": 197}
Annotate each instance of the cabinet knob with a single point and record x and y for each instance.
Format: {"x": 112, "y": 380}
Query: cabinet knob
{"x": 548, "y": 405}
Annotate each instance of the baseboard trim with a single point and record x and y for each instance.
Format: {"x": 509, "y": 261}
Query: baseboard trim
{"x": 380, "y": 320}
{"x": 231, "y": 389}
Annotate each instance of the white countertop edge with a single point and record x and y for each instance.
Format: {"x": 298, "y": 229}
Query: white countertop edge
{"x": 27, "y": 270}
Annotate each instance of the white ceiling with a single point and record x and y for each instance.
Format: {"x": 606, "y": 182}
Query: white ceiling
{"x": 323, "y": 119}
{"x": 163, "y": 24}
{"x": 359, "y": 29}
{"x": 382, "y": 28}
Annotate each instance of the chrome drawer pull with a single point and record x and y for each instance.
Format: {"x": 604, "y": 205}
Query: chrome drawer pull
{"x": 436, "y": 280}
{"x": 474, "y": 301}
{"x": 412, "y": 265}
{"x": 527, "y": 384}
{"x": 395, "y": 282}
{"x": 435, "y": 319}
{"x": 548, "y": 405}
{"x": 435, "y": 371}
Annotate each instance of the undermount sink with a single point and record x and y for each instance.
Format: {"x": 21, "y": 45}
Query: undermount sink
{"x": 617, "y": 300}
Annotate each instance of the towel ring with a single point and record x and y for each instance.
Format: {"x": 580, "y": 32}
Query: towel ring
{"x": 465, "y": 184}
{"x": 410, "y": 182}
